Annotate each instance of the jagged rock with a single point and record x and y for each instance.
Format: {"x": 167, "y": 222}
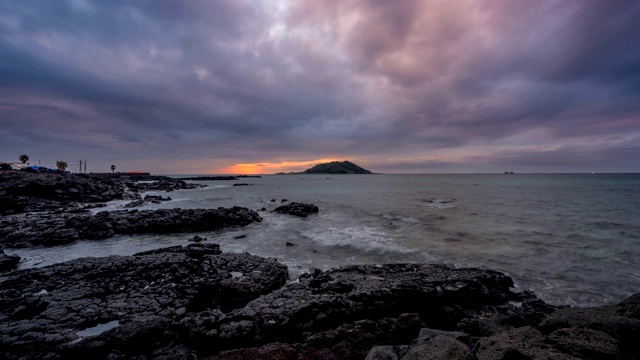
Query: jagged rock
{"x": 22, "y": 191}
{"x": 54, "y": 229}
{"x": 621, "y": 322}
{"x": 134, "y": 203}
{"x": 197, "y": 239}
{"x": 585, "y": 343}
{"x": 297, "y": 209}
{"x": 439, "y": 347}
{"x": 8, "y": 262}
{"x": 521, "y": 343}
{"x": 163, "y": 184}
{"x": 26, "y": 191}
{"x": 156, "y": 199}
{"x": 196, "y": 302}
{"x": 42, "y": 310}
{"x": 321, "y": 301}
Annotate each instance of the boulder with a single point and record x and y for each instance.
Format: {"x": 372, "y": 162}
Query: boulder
{"x": 50, "y": 229}
{"x": 297, "y": 209}
{"x": 8, "y": 262}
{"x": 59, "y": 309}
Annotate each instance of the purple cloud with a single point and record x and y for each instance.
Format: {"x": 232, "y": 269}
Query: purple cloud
{"x": 411, "y": 86}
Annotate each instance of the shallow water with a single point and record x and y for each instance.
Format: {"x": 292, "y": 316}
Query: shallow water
{"x": 570, "y": 238}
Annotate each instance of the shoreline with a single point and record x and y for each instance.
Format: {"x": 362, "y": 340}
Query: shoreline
{"x": 198, "y": 302}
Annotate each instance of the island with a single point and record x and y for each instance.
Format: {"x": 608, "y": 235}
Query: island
{"x": 337, "y": 167}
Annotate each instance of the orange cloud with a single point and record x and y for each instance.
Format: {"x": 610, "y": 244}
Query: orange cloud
{"x": 269, "y": 167}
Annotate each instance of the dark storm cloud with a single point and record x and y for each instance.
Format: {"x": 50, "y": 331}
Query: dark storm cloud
{"x": 411, "y": 86}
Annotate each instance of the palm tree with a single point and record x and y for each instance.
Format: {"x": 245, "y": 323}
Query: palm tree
{"x": 23, "y": 158}
{"x": 62, "y": 165}
{"x": 113, "y": 169}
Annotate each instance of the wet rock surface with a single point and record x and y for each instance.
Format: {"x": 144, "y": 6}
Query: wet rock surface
{"x": 25, "y": 191}
{"x": 196, "y": 302}
{"x": 42, "y": 310}
{"x": 165, "y": 184}
{"x": 22, "y": 191}
{"x": 297, "y": 209}
{"x": 50, "y": 229}
{"x": 8, "y": 262}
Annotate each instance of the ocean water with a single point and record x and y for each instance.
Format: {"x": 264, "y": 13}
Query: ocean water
{"x": 571, "y": 238}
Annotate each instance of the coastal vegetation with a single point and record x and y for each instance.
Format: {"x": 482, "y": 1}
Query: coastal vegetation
{"x": 62, "y": 165}
{"x": 113, "y": 169}
{"x": 23, "y": 158}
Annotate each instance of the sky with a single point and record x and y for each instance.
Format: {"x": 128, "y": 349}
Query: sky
{"x": 233, "y": 86}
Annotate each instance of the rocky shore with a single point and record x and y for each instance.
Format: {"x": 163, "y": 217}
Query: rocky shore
{"x": 50, "y": 229}
{"x": 196, "y": 302}
{"x": 24, "y": 191}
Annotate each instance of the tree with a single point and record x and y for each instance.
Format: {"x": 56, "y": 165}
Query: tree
{"x": 23, "y": 158}
{"x": 113, "y": 169}
{"x": 62, "y": 165}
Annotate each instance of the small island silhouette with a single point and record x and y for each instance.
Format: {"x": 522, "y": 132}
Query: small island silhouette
{"x": 335, "y": 167}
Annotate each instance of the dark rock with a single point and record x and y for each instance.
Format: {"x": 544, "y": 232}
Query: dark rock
{"x": 210, "y": 178}
{"x": 164, "y": 184}
{"x": 196, "y": 302}
{"x": 323, "y": 300}
{"x": 348, "y": 341}
{"x": 273, "y": 200}
{"x": 620, "y": 322}
{"x": 283, "y": 201}
{"x": 134, "y": 203}
{"x": 52, "y": 229}
{"x": 240, "y": 236}
{"x": 297, "y": 209}
{"x": 585, "y": 343}
{"x": 197, "y": 239}
{"x": 148, "y": 294}
{"x": 290, "y": 244}
{"x": 439, "y": 347}
{"x": 156, "y": 199}
{"x": 242, "y": 184}
{"x": 25, "y": 191}
{"x": 8, "y": 262}
{"x": 521, "y": 343}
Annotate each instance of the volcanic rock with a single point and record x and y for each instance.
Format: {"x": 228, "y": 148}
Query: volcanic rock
{"x": 196, "y": 302}
{"x": 22, "y": 191}
{"x": 297, "y": 209}
{"x": 8, "y": 262}
{"x": 54, "y": 229}
{"x": 44, "y": 310}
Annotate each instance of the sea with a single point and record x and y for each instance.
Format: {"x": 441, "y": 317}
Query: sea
{"x": 570, "y": 238}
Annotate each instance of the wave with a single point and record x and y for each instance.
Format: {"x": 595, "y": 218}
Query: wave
{"x": 439, "y": 203}
{"x": 361, "y": 238}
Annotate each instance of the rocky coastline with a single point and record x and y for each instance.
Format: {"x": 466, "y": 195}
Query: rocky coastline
{"x": 197, "y": 302}
{"x": 27, "y": 191}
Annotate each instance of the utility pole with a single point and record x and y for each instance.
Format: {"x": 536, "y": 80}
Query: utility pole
{"x": 80, "y": 167}
{"x": 85, "y": 166}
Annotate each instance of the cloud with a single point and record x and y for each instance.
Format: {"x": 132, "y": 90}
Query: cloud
{"x": 434, "y": 85}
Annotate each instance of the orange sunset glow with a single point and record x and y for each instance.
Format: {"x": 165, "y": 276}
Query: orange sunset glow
{"x": 269, "y": 167}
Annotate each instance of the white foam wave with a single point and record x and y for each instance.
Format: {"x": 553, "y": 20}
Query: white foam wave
{"x": 400, "y": 218}
{"x": 362, "y": 238}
